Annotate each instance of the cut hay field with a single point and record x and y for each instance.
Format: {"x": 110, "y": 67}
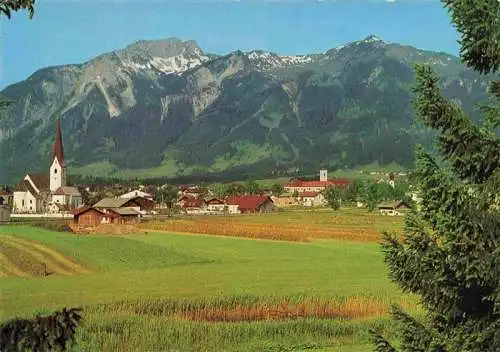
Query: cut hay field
{"x": 161, "y": 291}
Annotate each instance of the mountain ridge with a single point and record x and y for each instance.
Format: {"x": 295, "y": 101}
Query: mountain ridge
{"x": 166, "y": 108}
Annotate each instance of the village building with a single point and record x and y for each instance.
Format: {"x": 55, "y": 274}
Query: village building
{"x": 285, "y": 201}
{"x": 47, "y": 192}
{"x": 250, "y": 204}
{"x": 393, "y": 208}
{"x": 215, "y": 205}
{"x": 67, "y": 198}
{"x": 6, "y": 198}
{"x": 92, "y": 217}
{"x": 193, "y": 191}
{"x": 139, "y": 204}
{"x": 184, "y": 199}
{"x": 302, "y": 186}
{"x": 312, "y": 199}
{"x": 195, "y": 206}
{"x": 137, "y": 193}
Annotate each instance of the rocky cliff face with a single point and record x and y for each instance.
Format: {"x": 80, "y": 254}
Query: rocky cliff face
{"x": 164, "y": 108}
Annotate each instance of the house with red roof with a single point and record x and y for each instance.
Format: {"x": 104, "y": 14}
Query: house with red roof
{"x": 250, "y": 204}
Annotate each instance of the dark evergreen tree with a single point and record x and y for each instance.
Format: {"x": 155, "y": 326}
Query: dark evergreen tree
{"x": 450, "y": 254}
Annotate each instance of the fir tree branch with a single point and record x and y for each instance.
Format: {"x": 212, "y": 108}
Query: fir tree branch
{"x": 415, "y": 336}
{"x": 380, "y": 344}
{"x": 478, "y": 22}
{"x": 472, "y": 153}
{"x": 8, "y": 6}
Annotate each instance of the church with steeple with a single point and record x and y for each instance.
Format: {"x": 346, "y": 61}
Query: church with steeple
{"x": 48, "y": 192}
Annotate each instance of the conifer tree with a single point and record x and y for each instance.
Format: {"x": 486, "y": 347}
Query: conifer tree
{"x": 450, "y": 254}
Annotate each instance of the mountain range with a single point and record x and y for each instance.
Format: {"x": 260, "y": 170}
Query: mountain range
{"x": 165, "y": 108}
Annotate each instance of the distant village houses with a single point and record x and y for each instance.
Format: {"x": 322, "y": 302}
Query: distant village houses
{"x": 394, "y": 208}
{"x": 137, "y": 193}
{"x": 301, "y": 186}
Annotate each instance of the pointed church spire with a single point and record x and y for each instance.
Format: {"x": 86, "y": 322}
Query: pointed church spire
{"x": 57, "y": 149}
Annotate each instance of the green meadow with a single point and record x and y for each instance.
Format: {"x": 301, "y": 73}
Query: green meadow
{"x": 162, "y": 291}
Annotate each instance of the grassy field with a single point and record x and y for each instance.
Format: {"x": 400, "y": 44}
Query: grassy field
{"x": 164, "y": 291}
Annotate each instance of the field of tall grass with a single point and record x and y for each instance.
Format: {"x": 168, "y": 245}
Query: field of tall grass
{"x": 160, "y": 291}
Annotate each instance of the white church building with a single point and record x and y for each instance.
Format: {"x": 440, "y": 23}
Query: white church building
{"x": 47, "y": 193}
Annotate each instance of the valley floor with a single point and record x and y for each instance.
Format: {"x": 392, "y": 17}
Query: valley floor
{"x": 161, "y": 291}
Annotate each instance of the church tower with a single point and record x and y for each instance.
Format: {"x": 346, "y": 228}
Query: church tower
{"x": 57, "y": 170}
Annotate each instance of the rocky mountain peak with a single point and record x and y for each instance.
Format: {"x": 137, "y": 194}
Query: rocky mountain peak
{"x": 162, "y": 48}
{"x": 372, "y": 39}
{"x": 170, "y": 55}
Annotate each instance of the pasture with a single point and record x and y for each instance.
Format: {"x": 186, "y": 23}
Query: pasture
{"x": 159, "y": 290}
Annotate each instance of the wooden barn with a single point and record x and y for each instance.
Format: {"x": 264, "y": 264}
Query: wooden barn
{"x": 92, "y": 217}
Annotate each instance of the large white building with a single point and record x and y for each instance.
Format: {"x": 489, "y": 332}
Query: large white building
{"x": 47, "y": 192}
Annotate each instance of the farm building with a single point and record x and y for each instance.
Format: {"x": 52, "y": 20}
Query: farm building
{"x": 215, "y": 205}
{"x": 125, "y": 215}
{"x": 195, "y": 206}
{"x": 392, "y": 208}
{"x": 285, "y": 201}
{"x": 250, "y": 204}
{"x": 92, "y": 217}
{"x": 312, "y": 199}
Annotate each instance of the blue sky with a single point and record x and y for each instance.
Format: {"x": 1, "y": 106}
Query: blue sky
{"x": 72, "y": 31}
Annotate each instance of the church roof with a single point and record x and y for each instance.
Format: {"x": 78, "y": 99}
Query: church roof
{"x": 67, "y": 191}
{"x": 57, "y": 149}
{"x": 25, "y": 186}
{"x": 41, "y": 181}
